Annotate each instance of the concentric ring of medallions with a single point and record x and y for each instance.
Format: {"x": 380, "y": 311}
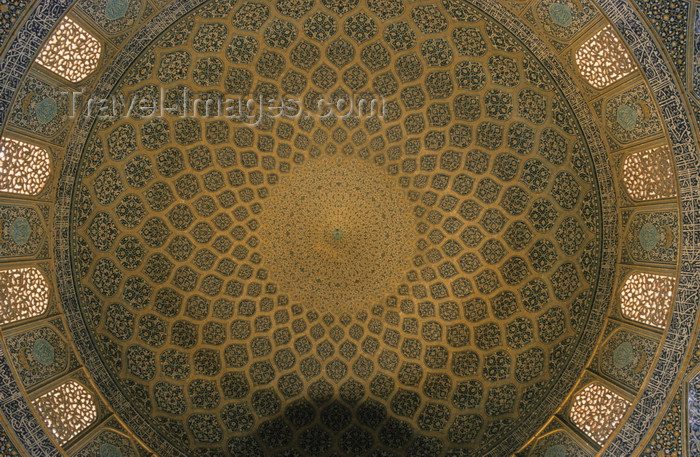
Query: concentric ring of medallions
{"x": 204, "y": 337}
{"x": 337, "y": 234}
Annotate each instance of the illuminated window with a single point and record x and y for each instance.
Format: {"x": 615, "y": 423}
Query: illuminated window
{"x": 67, "y": 410}
{"x": 598, "y": 411}
{"x": 647, "y": 298}
{"x": 603, "y": 59}
{"x": 71, "y": 52}
{"x": 23, "y": 294}
{"x": 24, "y": 168}
{"x": 648, "y": 175}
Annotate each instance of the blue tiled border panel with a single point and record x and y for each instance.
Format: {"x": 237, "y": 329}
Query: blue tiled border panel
{"x": 10, "y": 18}
{"x": 19, "y": 415}
{"x": 21, "y": 50}
{"x": 663, "y": 85}
{"x": 23, "y": 47}
{"x": 64, "y": 196}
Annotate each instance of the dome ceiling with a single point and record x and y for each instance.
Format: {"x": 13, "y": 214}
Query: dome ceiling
{"x": 424, "y": 272}
{"x": 373, "y": 227}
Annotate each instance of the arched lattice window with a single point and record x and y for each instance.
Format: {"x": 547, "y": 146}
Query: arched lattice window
{"x": 648, "y": 175}
{"x": 24, "y": 168}
{"x": 603, "y": 59}
{"x": 598, "y": 411}
{"x": 71, "y": 52}
{"x": 67, "y": 410}
{"x": 647, "y": 298}
{"x": 23, "y": 294}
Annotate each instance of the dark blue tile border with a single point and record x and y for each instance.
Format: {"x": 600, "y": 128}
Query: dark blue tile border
{"x": 82, "y": 339}
{"x": 19, "y": 415}
{"x": 659, "y": 388}
{"x": 24, "y": 46}
{"x": 19, "y": 54}
{"x": 10, "y": 18}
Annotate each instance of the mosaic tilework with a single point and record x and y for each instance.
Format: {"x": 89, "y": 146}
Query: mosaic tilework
{"x": 18, "y": 413}
{"x": 558, "y": 443}
{"x": 120, "y": 141}
{"x": 38, "y": 354}
{"x": 24, "y": 45}
{"x": 108, "y": 443}
{"x": 112, "y": 16}
{"x": 695, "y": 80}
{"x": 670, "y": 21}
{"x": 23, "y": 231}
{"x": 695, "y": 358}
{"x": 285, "y": 233}
{"x": 44, "y": 108}
{"x": 626, "y": 357}
{"x": 564, "y": 20}
{"x": 632, "y": 115}
{"x": 493, "y": 219}
{"x": 653, "y": 236}
{"x": 668, "y": 434}
{"x": 7, "y": 447}
{"x": 693, "y": 411}
{"x": 9, "y": 14}
{"x": 116, "y": 398}
{"x": 652, "y": 399}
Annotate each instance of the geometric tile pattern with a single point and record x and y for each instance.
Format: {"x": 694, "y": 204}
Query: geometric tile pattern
{"x": 185, "y": 280}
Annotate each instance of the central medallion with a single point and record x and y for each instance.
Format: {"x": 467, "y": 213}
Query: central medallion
{"x": 318, "y": 263}
{"x": 359, "y": 283}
